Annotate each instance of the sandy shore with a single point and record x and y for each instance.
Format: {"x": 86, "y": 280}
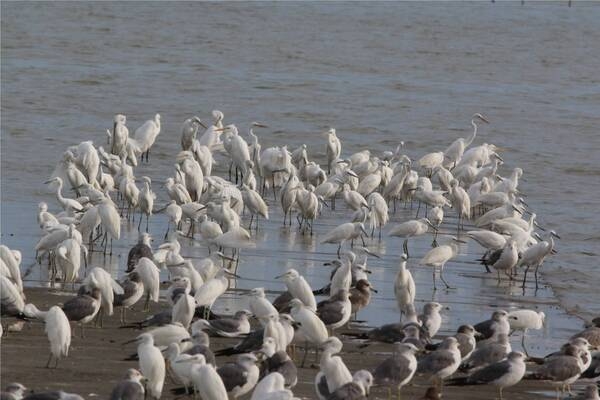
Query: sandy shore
{"x": 96, "y": 362}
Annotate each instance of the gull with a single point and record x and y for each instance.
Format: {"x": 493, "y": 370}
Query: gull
{"x": 488, "y": 353}
{"x": 130, "y": 388}
{"x": 491, "y": 328}
{"x": 441, "y": 363}
{"x": 200, "y": 345}
{"x": 335, "y": 311}
{"x": 236, "y": 326}
{"x": 241, "y": 376}
{"x": 398, "y": 369}
{"x": 358, "y": 389}
{"x": 278, "y": 361}
{"x": 13, "y": 391}
{"x": 360, "y": 295}
{"x": 561, "y": 370}
{"x": 502, "y": 374}
{"x": 431, "y": 319}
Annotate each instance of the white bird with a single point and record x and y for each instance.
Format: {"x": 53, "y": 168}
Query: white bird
{"x": 193, "y": 174}
{"x": 378, "y": 214}
{"x": 163, "y": 336}
{"x": 535, "y": 255}
{"x": 58, "y": 329}
{"x": 454, "y": 152}
{"x": 64, "y": 202}
{"x": 183, "y": 309}
{"x": 344, "y": 232}
{"x": 260, "y": 306}
{"x": 110, "y": 221}
{"x": 488, "y": 239}
{"x": 146, "y": 134}
{"x": 333, "y": 368}
{"x": 119, "y": 136}
{"x": 312, "y": 329}
{"x": 431, "y": 320}
{"x": 461, "y": 203}
{"x": 208, "y": 293}
{"x": 438, "y": 257}
{"x": 429, "y": 161}
{"x": 149, "y": 275}
{"x": 412, "y": 228}
{"x": 146, "y": 201}
{"x": 299, "y": 288}
{"x": 88, "y": 160}
{"x": 11, "y": 259}
{"x": 272, "y": 387}
{"x": 334, "y": 148}
{"x": 189, "y": 130}
{"x": 99, "y": 278}
{"x": 180, "y": 364}
{"x": 404, "y": 286}
{"x": 354, "y": 200}
{"x": 68, "y": 259}
{"x": 255, "y": 204}
{"x": 177, "y": 192}
{"x": 208, "y": 383}
{"x": 522, "y": 320}
{"x": 508, "y": 258}
{"x": 152, "y": 365}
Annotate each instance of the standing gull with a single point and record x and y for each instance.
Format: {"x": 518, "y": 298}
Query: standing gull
{"x": 241, "y": 376}
{"x": 491, "y": 328}
{"x": 278, "y": 361}
{"x": 358, "y": 389}
{"x": 488, "y": 353}
{"x": 441, "y": 363}
{"x": 130, "y": 388}
{"x": 504, "y": 373}
{"x": 335, "y": 311}
{"x": 397, "y": 370}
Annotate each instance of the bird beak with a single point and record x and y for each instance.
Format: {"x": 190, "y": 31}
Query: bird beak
{"x": 223, "y": 256}
{"x": 555, "y": 234}
{"x": 481, "y": 117}
{"x": 369, "y": 252}
{"x": 459, "y": 241}
{"x": 279, "y": 276}
{"x": 373, "y": 289}
{"x": 352, "y": 173}
{"x": 48, "y": 181}
{"x": 368, "y": 271}
{"x": 259, "y": 125}
{"x": 231, "y": 274}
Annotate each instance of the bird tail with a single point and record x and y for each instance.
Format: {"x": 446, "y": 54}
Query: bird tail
{"x": 462, "y": 381}
{"x": 537, "y": 360}
{"x": 228, "y": 351}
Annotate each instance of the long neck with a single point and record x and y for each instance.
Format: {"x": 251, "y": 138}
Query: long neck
{"x": 470, "y": 140}
{"x": 59, "y": 195}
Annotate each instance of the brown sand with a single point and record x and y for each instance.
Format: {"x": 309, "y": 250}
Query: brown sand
{"x": 95, "y": 363}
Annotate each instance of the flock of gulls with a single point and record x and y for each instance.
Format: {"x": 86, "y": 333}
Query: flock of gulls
{"x": 97, "y": 191}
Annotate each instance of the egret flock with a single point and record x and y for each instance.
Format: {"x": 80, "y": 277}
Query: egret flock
{"x": 98, "y": 193}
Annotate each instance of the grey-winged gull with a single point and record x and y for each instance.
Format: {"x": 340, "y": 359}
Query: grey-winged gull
{"x": 504, "y": 373}
{"x": 398, "y": 369}
{"x": 241, "y": 376}
{"x": 130, "y": 388}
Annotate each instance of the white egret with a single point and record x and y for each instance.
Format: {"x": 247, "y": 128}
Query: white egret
{"x": 189, "y": 130}
{"x": 429, "y": 161}
{"x": 410, "y": 229}
{"x": 100, "y": 279}
{"x": 404, "y": 286}
{"x": 354, "y": 200}
{"x": 64, "y": 202}
{"x": 523, "y": 320}
{"x": 183, "y": 309}
{"x": 110, "y": 221}
{"x": 461, "y": 203}
{"x": 260, "y": 306}
{"x": 193, "y": 175}
{"x": 255, "y": 204}
{"x": 59, "y": 334}
{"x": 207, "y": 382}
{"x": 454, "y": 152}
{"x": 334, "y": 148}
{"x": 438, "y": 257}
{"x": 149, "y": 275}
{"x": 120, "y": 135}
{"x": 208, "y": 293}
{"x": 299, "y": 288}
{"x": 152, "y": 365}
{"x": 146, "y": 201}
{"x": 333, "y": 367}
{"x": 146, "y": 134}
{"x": 344, "y": 232}
{"x": 535, "y": 255}
{"x": 312, "y": 329}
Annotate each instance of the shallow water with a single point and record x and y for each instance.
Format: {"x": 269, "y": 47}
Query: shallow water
{"x": 379, "y": 73}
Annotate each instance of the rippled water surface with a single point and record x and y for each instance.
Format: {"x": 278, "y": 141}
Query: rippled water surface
{"x": 379, "y": 73}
